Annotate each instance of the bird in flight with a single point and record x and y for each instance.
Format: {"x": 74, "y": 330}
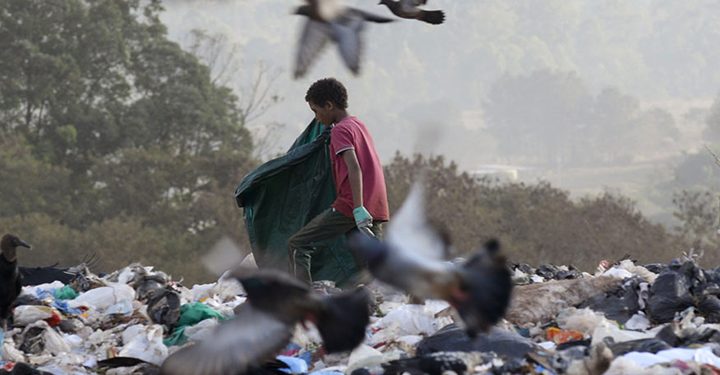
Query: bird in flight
{"x": 264, "y": 324}
{"x": 330, "y": 21}
{"x": 410, "y": 259}
{"x": 410, "y": 9}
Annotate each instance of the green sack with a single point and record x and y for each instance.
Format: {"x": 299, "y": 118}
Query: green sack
{"x": 283, "y": 195}
{"x": 190, "y": 314}
{"x": 65, "y": 293}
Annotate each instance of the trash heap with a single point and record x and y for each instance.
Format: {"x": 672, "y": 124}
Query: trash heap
{"x": 628, "y": 319}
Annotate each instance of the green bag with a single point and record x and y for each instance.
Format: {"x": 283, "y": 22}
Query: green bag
{"x": 283, "y": 195}
{"x": 66, "y": 292}
{"x": 190, "y": 314}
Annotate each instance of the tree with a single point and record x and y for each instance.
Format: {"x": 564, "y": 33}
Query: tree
{"x": 131, "y": 131}
{"x": 536, "y": 223}
{"x": 699, "y": 214}
{"x": 255, "y": 87}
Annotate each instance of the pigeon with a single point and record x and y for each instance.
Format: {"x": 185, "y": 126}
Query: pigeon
{"x": 410, "y": 260}
{"x": 264, "y": 324}
{"x": 410, "y": 9}
{"x": 339, "y": 24}
{"x": 10, "y": 277}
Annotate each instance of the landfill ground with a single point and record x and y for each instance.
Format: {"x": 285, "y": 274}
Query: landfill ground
{"x": 626, "y": 319}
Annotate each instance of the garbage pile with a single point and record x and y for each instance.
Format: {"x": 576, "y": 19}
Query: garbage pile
{"x": 626, "y": 319}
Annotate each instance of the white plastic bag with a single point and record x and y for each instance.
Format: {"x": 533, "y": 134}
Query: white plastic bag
{"x": 145, "y": 343}
{"x": 363, "y": 356}
{"x": 104, "y": 297}
{"x": 28, "y": 314}
{"x": 582, "y": 320}
{"x": 618, "y": 335}
{"x": 202, "y": 330}
{"x": 9, "y": 352}
{"x": 409, "y": 320}
{"x": 638, "y": 322}
{"x": 124, "y": 307}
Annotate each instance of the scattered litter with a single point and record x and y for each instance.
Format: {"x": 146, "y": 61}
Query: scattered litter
{"x": 626, "y": 319}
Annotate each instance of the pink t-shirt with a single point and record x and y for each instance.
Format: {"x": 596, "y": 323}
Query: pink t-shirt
{"x": 348, "y": 134}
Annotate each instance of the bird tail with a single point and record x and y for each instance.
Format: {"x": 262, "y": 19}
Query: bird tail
{"x": 434, "y": 17}
{"x": 344, "y": 319}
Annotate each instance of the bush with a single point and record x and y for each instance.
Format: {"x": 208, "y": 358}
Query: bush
{"x": 535, "y": 223}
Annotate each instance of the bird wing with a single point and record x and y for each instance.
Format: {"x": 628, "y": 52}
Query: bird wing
{"x": 433, "y": 17}
{"x": 18, "y": 284}
{"x": 410, "y": 7}
{"x": 411, "y": 256}
{"x": 410, "y": 231}
{"x": 367, "y": 16}
{"x": 347, "y": 34}
{"x": 248, "y": 340}
{"x": 314, "y": 37}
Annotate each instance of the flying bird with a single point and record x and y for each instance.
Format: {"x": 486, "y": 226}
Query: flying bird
{"x": 264, "y": 324}
{"x": 410, "y": 260}
{"x": 10, "y": 277}
{"x": 329, "y": 21}
{"x": 410, "y": 9}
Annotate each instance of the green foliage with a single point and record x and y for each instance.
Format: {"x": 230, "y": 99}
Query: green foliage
{"x": 114, "y": 139}
{"x": 535, "y": 223}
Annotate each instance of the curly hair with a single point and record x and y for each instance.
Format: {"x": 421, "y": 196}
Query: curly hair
{"x": 327, "y": 90}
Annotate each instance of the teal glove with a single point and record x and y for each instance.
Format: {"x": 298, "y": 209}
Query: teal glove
{"x": 362, "y": 217}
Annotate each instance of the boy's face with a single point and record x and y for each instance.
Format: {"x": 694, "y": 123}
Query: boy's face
{"x": 324, "y": 114}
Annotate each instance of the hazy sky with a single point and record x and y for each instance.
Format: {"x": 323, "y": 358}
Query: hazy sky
{"x": 422, "y": 87}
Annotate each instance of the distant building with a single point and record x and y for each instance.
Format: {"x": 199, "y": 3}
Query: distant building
{"x": 507, "y": 173}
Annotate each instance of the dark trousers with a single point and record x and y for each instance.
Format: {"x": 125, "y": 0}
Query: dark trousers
{"x": 326, "y": 226}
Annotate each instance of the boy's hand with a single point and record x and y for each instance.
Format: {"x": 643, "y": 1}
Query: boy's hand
{"x": 362, "y": 217}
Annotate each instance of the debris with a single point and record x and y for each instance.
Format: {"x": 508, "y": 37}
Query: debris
{"x": 641, "y": 323}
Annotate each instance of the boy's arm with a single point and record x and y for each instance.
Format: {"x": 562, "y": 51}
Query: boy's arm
{"x": 355, "y": 176}
{"x": 360, "y": 214}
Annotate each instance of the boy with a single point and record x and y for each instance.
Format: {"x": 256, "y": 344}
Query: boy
{"x": 359, "y": 182}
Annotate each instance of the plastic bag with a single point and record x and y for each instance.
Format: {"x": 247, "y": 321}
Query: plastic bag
{"x": 583, "y": 320}
{"x": 619, "y": 304}
{"x": 649, "y": 345}
{"x": 669, "y": 294}
{"x": 202, "y": 330}
{"x": 638, "y": 322}
{"x": 64, "y": 293}
{"x": 363, "y": 356}
{"x": 709, "y": 308}
{"x": 123, "y": 307}
{"x": 145, "y": 343}
{"x": 561, "y": 336}
{"x": 617, "y": 334}
{"x": 9, "y": 351}
{"x": 409, "y": 320}
{"x": 51, "y": 341}
{"x": 28, "y": 314}
{"x": 104, "y": 297}
{"x": 295, "y": 365}
{"x": 453, "y": 338}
